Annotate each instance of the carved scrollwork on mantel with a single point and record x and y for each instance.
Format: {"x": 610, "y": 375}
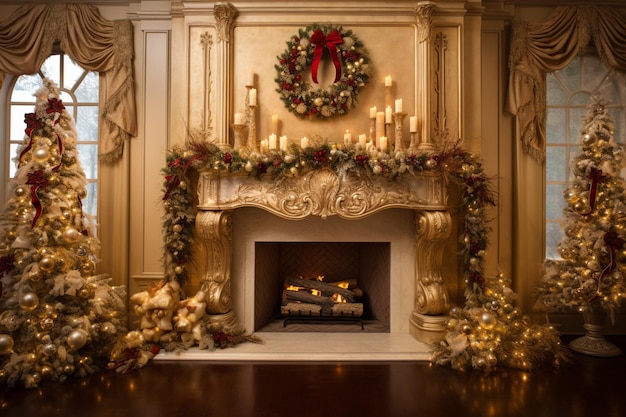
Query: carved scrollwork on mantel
{"x": 321, "y": 193}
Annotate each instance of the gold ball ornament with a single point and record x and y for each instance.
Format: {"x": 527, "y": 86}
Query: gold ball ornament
{"x": 71, "y": 235}
{"x": 29, "y": 301}
{"x": 589, "y": 138}
{"x": 87, "y": 267}
{"x": 46, "y": 263}
{"x": 6, "y": 344}
{"x": 77, "y": 339}
{"x": 19, "y": 192}
{"x": 488, "y": 321}
{"x": 41, "y": 154}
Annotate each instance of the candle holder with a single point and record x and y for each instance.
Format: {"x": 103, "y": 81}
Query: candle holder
{"x": 398, "y": 118}
{"x": 413, "y": 144}
{"x": 388, "y": 97}
{"x": 251, "y": 121}
{"x": 238, "y": 130}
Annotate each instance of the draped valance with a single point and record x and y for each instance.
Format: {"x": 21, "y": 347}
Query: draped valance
{"x": 538, "y": 49}
{"x": 96, "y": 44}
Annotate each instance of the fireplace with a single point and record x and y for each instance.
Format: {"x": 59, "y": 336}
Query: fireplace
{"x": 241, "y": 218}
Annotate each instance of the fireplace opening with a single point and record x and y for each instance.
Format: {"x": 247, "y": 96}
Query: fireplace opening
{"x": 363, "y": 267}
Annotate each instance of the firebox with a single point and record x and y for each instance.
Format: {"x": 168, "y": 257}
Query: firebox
{"x": 322, "y": 286}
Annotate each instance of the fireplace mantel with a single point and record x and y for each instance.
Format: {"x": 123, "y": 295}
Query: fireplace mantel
{"x": 324, "y": 193}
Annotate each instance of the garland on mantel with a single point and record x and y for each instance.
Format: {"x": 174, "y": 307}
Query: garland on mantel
{"x": 487, "y": 331}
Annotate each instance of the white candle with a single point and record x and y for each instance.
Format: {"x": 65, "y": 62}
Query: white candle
{"x": 388, "y": 114}
{"x": 264, "y": 145}
{"x": 272, "y": 141}
{"x": 274, "y": 125}
{"x": 347, "y": 137}
{"x": 238, "y": 118}
{"x": 380, "y": 126}
{"x": 304, "y": 142}
{"x": 399, "y": 105}
{"x": 383, "y": 143}
{"x": 388, "y": 81}
{"x": 362, "y": 140}
{"x": 250, "y": 78}
{"x": 413, "y": 124}
{"x": 252, "y": 99}
{"x": 373, "y": 112}
{"x": 283, "y": 143}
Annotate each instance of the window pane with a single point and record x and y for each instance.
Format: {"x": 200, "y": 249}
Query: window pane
{"x": 87, "y": 123}
{"x": 575, "y": 122}
{"x": 12, "y": 164}
{"x": 87, "y": 91}
{"x": 71, "y": 73}
{"x": 554, "y": 125}
{"x": 593, "y": 72}
{"x": 558, "y": 96}
{"x": 88, "y": 156}
{"x": 18, "y": 126}
{"x": 581, "y": 99}
{"x": 570, "y": 75}
{"x": 51, "y": 68}
{"x": 555, "y": 203}
{"x": 25, "y": 88}
{"x": 553, "y": 236}
{"x": 609, "y": 91}
{"x": 90, "y": 205}
{"x": 555, "y": 163}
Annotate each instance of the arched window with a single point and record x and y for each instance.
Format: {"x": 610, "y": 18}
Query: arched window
{"x": 80, "y": 95}
{"x": 569, "y": 91}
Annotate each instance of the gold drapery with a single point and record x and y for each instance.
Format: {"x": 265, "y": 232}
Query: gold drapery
{"x": 97, "y": 44}
{"x": 538, "y": 49}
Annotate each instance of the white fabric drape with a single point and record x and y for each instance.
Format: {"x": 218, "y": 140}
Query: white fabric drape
{"x": 95, "y": 43}
{"x": 538, "y": 49}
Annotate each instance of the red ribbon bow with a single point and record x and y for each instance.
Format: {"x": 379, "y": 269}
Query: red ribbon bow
{"x": 331, "y": 41}
{"x": 596, "y": 177}
{"x": 35, "y": 180}
{"x": 613, "y": 242}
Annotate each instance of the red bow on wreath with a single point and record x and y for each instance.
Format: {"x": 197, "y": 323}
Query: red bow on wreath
{"x": 331, "y": 41}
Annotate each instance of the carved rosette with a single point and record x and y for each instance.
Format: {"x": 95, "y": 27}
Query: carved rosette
{"x": 214, "y": 232}
{"x": 433, "y": 229}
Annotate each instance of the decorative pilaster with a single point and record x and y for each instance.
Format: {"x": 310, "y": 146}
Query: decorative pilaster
{"x": 431, "y": 297}
{"x": 424, "y": 14}
{"x": 214, "y": 231}
{"x": 225, "y": 14}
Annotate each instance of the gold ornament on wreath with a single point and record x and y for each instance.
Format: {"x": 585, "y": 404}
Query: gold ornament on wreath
{"x": 307, "y": 48}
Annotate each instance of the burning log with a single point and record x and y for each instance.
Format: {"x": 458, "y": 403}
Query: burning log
{"x": 326, "y": 289}
{"x": 307, "y": 297}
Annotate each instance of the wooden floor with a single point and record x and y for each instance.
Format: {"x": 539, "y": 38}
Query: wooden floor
{"x": 586, "y": 387}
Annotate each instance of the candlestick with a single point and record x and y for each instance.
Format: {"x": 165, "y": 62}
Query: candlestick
{"x": 264, "y": 146}
{"x": 274, "y": 124}
{"x": 398, "y": 118}
{"x": 362, "y": 141}
{"x": 388, "y": 85}
{"x": 251, "y": 119}
{"x": 413, "y": 144}
{"x": 238, "y": 119}
{"x": 380, "y": 127}
{"x": 252, "y": 101}
{"x": 383, "y": 144}
{"x": 373, "y": 112}
{"x": 347, "y": 138}
{"x": 238, "y": 129}
{"x": 388, "y": 114}
{"x": 413, "y": 124}
{"x": 304, "y": 142}
{"x": 388, "y": 81}
{"x": 250, "y": 81}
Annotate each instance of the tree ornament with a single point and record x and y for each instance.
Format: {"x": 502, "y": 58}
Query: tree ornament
{"x": 589, "y": 138}
{"x": 77, "y": 339}
{"x": 6, "y": 344}
{"x": 29, "y": 301}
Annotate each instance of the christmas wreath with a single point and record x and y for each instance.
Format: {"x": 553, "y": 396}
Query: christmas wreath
{"x": 352, "y": 71}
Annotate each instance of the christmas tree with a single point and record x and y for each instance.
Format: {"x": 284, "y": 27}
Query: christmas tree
{"x": 590, "y": 277}
{"x": 57, "y": 316}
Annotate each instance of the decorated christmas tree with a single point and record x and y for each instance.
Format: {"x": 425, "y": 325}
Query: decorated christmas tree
{"x": 57, "y": 316}
{"x": 590, "y": 277}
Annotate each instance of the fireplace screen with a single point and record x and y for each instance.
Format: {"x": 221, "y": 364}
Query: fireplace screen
{"x": 322, "y": 286}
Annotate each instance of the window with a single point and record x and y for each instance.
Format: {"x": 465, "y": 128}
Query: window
{"x": 80, "y": 95}
{"x": 569, "y": 91}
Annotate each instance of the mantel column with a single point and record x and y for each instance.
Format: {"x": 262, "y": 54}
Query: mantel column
{"x": 214, "y": 231}
{"x": 431, "y": 298}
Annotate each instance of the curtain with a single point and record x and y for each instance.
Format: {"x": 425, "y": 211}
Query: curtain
{"x": 538, "y": 49}
{"x": 27, "y": 38}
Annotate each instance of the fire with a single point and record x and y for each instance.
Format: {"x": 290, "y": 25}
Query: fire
{"x": 338, "y": 298}
{"x": 316, "y": 292}
{"x": 343, "y": 284}
{"x": 293, "y": 288}
{"x": 320, "y": 277}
